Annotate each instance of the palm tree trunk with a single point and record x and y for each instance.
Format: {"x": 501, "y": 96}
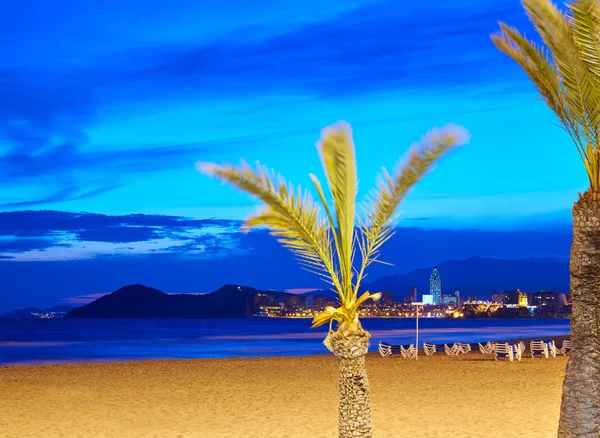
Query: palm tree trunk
{"x": 580, "y": 410}
{"x": 350, "y": 347}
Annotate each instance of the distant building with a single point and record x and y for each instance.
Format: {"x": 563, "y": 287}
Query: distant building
{"x": 511, "y": 298}
{"x": 292, "y": 300}
{"x": 409, "y": 299}
{"x": 435, "y": 286}
{"x": 457, "y": 295}
{"x": 387, "y": 299}
{"x": 331, "y": 302}
{"x": 319, "y": 303}
{"x": 450, "y": 300}
{"x": 547, "y": 302}
{"x": 427, "y": 299}
{"x": 413, "y": 294}
{"x": 310, "y": 302}
{"x": 472, "y": 298}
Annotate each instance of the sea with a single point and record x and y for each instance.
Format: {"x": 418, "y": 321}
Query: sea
{"x": 54, "y": 341}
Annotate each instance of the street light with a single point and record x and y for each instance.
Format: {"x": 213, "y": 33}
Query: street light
{"x": 417, "y": 304}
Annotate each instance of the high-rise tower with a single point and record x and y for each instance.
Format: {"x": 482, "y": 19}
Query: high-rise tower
{"x": 435, "y": 286}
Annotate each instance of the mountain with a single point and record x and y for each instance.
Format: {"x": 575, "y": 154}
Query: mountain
{"x": 481, "y": 277}
{"x": 34, "y": 312}
{"x": 137, "y": 301}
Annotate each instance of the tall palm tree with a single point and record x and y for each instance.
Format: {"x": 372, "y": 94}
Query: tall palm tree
{"x": 566, "y": 72}
{"x": 325, "y": 240}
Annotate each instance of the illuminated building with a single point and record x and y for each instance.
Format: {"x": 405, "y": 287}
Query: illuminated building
{"x": 310, "y": 302}
{"x": 387, "y": 299}
{"x": 319, "y": 303}
{"x": 547, "y": 302}
{"x": 435, "y": 286}
{"x": 511, "y": 298}
{"x": 450, "y": 299}
{"x": 427, "y": 299}
{"x": 413, "y": 294}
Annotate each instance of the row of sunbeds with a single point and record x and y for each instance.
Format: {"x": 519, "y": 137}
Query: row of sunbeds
{"x": 545, "y": 349}
{"x": 500, "y": 350}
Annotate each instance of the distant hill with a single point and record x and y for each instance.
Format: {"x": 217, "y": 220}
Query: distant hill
{"x": 34, "y": 312}
{"x": 481, "y": 277}
{"x": 138, "y": 301}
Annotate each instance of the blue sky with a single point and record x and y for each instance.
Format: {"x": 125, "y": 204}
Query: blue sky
{"x": 107, "y": 106}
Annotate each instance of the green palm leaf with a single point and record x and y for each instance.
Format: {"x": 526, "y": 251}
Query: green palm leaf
{"x": 566, "y": 70}
{"x": 383, "y": 202}
{"x": 324, "y": 242}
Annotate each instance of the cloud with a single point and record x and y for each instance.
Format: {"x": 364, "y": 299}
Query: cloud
{"x": 258, "y": 261}
{"x": 381, "y": 46}
{"x": 18, "y": 245}
{"x": 25, "y": 231}
{"x": 83, "y": 299}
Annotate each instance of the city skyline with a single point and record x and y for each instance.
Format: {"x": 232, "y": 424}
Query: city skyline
{"x": 103, "y": 122}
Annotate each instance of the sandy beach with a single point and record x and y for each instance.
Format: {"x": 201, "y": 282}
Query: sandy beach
{"x": 439, "y": 396}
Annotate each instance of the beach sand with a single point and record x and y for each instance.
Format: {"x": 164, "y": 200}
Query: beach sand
{"x": 439, "y": 396}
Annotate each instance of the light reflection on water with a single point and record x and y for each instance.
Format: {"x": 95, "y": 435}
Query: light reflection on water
{"x": 99, "y": 340}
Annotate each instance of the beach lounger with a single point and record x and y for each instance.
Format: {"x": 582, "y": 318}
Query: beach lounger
{"x": 503, "y": 351}
{"x": 539, "y": 348}
{"x": 518, "y": 350}
{"x": 452, "y": 351}
{"x": 565, "y": 348}
{"x": 487, "y": 348}
{"x": 552, "y": 350}
{"x": 429, "y": 349}
{"x": 384, "y": 349}
{"x": 409, "y": 352}
{"x": 387, "y": 350}
{"x": 464, "y": 348}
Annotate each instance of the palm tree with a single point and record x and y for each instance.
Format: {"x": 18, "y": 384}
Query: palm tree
{"x": 325, "y": 240}
{"x": 566, "y": 72}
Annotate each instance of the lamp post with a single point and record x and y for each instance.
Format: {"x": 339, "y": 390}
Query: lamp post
{"x": 417, "y": 304}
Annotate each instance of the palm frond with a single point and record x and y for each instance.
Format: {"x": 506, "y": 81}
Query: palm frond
{"x": 535, "y": 61}
{"x": 325, "y": 244}
{"x": 382, "y": 203}
{"x": 538, "y": 65}
{"x": 585, "y": 18}
{"x": 555, "y": 29}
{"x": 290, "y": 214}
{"x": 336, "y": 149}
{"x": 566, "y": 71}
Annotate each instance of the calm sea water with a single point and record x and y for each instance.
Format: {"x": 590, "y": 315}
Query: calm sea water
{"x": 91, "y": 340}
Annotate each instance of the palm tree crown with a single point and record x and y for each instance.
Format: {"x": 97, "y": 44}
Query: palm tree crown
{"x": 565, "y": 69}
{"x": 324, "y": 237}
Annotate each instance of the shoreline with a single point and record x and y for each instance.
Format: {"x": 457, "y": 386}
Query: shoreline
{"x": 372, "y": 353}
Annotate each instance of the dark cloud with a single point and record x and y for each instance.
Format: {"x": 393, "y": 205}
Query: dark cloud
{"x": 263, "y": 263}
{"x": 382, "y": 46}
{"x": 27, "y": 230}
{"x": 22, "y": 244}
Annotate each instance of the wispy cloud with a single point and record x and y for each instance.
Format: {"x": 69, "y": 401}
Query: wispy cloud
{"x": 83, "y": 299}
{"x": 381, "y": 46}
{"x": 61, "y": 235}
